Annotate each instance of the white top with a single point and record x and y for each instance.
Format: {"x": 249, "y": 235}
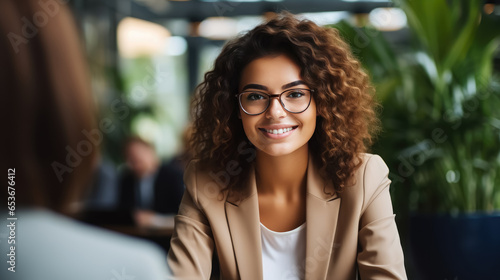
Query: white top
{"x": 283, "y": 253}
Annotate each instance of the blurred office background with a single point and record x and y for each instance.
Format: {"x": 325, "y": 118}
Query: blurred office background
{"x": 434, "y": 63}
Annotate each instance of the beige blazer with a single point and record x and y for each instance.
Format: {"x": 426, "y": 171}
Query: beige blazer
{"x": 346, "y": 232}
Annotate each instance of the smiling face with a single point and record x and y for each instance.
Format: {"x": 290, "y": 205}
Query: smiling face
{"x": 276, "y": 132}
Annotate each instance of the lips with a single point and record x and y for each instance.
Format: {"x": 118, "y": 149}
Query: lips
{"x": 278, "y": 130}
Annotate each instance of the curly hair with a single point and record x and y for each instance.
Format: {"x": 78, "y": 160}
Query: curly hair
{"x": 346, "y": 121}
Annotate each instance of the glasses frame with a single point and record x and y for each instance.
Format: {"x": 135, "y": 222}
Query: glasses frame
{"x": 311, "y": 91}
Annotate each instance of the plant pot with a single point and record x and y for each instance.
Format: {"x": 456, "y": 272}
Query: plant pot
{"x": 462, "y": 247}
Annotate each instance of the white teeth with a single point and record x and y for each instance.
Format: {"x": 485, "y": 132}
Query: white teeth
{"x": 278, "y": 131}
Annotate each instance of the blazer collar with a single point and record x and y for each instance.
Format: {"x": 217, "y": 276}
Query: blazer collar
{"x": 322, "y": 208}
{"x": 316, "y": 186}
{"x": 243, "y": 220}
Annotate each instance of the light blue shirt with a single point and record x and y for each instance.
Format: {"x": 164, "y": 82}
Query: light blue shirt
{"x": 52, "y": 246}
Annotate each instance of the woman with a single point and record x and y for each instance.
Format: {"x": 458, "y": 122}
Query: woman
{"x": 282, "y": 187}
{"x": 48, "y": 158}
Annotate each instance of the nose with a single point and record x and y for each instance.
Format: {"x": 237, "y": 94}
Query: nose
{"x": 275, "y": 110}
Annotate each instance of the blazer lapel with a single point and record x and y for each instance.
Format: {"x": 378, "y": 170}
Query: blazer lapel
{"x": 322, "y": 214}
{"x": 244, "y": 226}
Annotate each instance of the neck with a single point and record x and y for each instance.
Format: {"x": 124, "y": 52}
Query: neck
{"x": 282, "y": 175}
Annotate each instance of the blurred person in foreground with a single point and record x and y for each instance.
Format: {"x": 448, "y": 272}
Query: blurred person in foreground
{"x": 47, "y": 104}
{"x": 149, "y": 188}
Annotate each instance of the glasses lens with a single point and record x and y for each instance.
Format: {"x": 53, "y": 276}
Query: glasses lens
{"x": 296, "y": 100}
{"x": 254, "y": 102}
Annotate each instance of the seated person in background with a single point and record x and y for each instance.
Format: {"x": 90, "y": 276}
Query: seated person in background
{"x": 46, "y": 98}
{"x": 102, "y": 193}
{"x": 152, "y": 190}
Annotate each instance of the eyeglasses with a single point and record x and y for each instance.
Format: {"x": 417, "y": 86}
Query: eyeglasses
{"x": 295, "y": 100}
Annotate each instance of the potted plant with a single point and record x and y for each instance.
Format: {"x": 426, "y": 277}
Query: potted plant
{"x": 441, "y": 138}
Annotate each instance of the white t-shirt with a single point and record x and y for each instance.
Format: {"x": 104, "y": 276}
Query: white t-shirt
{"x": 283, "y": 253}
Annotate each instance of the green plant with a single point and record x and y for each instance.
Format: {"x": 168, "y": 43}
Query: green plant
{"x": 441, "y": 100}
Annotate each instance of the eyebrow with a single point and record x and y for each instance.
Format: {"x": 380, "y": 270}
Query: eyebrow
{"x": 289, "y": 85}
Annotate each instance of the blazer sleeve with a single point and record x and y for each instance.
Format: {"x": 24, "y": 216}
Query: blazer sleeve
{"x": 380, "y": 254}
{"x": 191, "y": 245}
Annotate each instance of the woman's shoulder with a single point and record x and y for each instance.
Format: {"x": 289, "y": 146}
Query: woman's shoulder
{"x": 371, "y": 170}
{"x": 201, "y": 181}
{"x": 197, "y": 174}
{"x": 369, "y": 178}
{"x": 371, "y": 163}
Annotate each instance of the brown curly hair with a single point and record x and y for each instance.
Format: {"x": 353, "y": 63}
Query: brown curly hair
{"x": 346, "y": 120}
